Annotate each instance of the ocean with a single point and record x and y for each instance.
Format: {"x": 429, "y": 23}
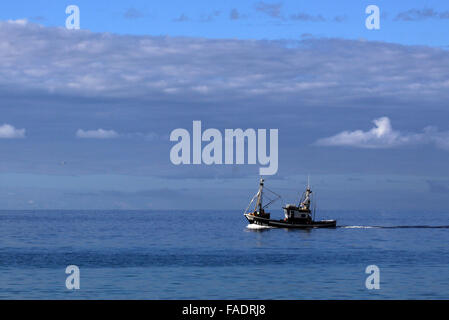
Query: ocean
{"x": 214, "y": 255}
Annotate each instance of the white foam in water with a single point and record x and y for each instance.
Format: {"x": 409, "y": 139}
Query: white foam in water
{"x": 359, "y": 227}
{"x": 254, "y": 226}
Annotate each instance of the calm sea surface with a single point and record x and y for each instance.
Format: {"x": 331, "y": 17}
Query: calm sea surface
{"x": 213, "y": 255}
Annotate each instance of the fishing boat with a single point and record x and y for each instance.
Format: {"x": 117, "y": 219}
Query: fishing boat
{"x": 295, "y": 216}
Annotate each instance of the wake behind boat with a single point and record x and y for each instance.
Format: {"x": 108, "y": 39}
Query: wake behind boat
{"x": 299, "y": 216}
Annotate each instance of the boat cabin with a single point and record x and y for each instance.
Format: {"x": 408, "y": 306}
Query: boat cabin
{"x": 302, "y": 211}
{"x": 293, "y": 212}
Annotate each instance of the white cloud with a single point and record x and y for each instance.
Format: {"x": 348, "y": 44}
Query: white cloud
{"x": 21, "y": 22}
{"x": 8, "y": 131}
{"x": 150, "y": 136}
{"x": 50, "y": 60}
{"x": 382, "y": 135}
{"x": 133, "y": 13}
{"x": 96, "y": 134}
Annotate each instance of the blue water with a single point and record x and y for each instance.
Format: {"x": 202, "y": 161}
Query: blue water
{"x": 213, "y": 255}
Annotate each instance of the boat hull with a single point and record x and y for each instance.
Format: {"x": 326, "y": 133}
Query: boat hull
{"x": 290, "y": 224}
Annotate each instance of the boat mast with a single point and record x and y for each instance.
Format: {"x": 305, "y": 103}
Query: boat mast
{"x": 304, "y": 202}
{"x": 259, "y": 197}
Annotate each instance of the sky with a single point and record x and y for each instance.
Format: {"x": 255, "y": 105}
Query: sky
{"x": 86, "y": 114}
